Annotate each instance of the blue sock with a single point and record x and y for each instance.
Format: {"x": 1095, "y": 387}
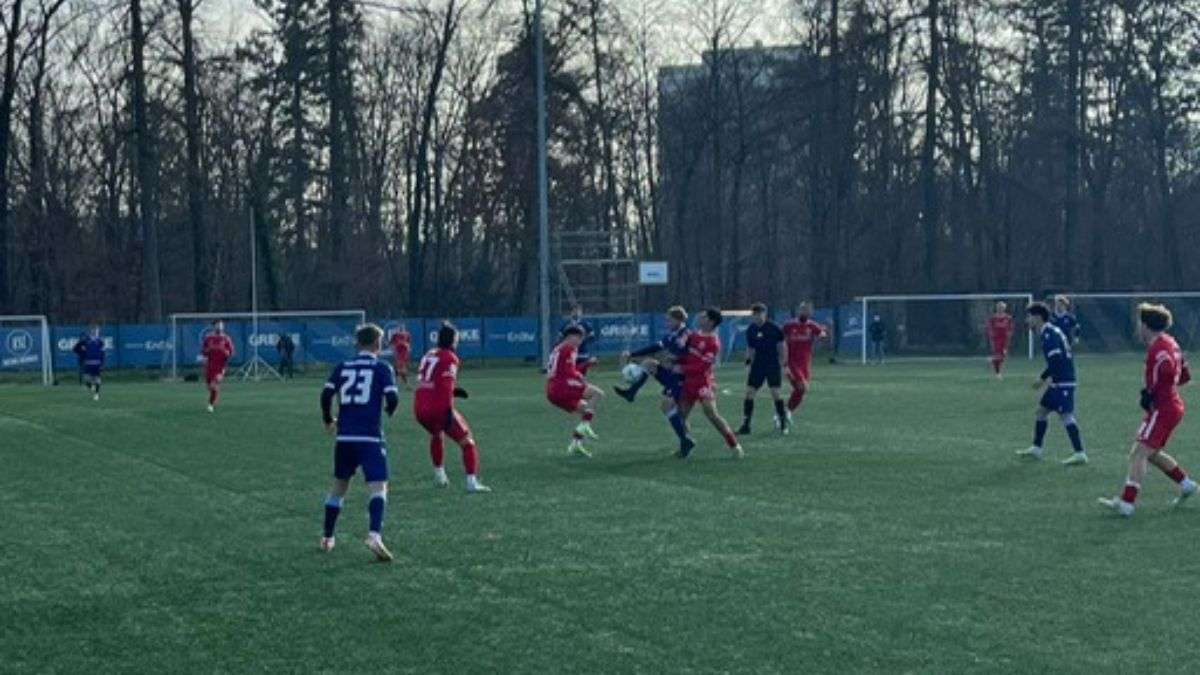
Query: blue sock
{"x": 375, "y": 508}
{"x": 677, "y": 423}
{"x": 333, "y": 509}
{"x": 1076, "y": 440}
{"x": 1039, "y": 432}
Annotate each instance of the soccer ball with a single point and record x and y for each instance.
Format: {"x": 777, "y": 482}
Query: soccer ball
{"x": 631, "y": 373}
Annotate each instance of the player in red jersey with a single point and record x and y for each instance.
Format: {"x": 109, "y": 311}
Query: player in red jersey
{"x": 401, "y": 342}
{"x": 216, "y": 351}
{"x": 567, "y": 389}
{"x": 1166, "y": 370}
{"x": 801, "y": 334}
{"x": 1000, "y": 331}
{"x": 699, "y": 383}
{"x": 433, "y": 406}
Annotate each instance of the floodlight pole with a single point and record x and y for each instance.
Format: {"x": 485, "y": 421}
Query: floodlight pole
{"x": 539, "y": 66}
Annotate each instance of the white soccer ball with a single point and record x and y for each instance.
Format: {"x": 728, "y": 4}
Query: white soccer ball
{"x": 631, "y": 372}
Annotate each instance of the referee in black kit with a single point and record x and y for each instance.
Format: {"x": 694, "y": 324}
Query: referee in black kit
{"x": 765, "y": 354}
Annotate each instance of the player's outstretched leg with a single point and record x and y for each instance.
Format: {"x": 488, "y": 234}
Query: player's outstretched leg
{"x": 376, "y": 507}
{"x": 630, "y": 392}
{"x": 1079, "y": 456}
{"x": 333, "y": 509}
{"x": 1124, "y": 503}
{"x": 1041, "y": 423}
{"x": 213, "y": 394}
{"x": 719, "y": 423}
{"x": 1170, "y": 467}
{"x": 437, "y": 455}
{"x": 587, "y": 411}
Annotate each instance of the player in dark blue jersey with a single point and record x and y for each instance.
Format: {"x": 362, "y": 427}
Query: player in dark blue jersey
{"x": 1057, "y": 382}
{"x": 1064, "y": 319}
{"x": 90, "y": 350}
{"x": 669, "y": 347}
{"x": 584, "y": 359}
{"x": 363, "y": 386}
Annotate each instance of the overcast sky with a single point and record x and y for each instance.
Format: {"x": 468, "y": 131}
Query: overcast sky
{"x": 228, "y": 20}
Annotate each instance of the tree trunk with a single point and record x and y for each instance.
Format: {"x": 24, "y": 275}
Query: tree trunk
{"x": 1072, "y": 131}
{"x": 147, "y": 172}
{"x": 931, "y": 212}
{"x": 11, "y": 32}
{"x": 195, "y": 184}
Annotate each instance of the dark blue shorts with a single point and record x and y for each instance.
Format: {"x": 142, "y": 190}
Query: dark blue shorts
{"x": 672, "y": 383}
{"x": 371, "y": 456}
{"x": 1059, "y": 399}
{"x": 92, "y": 370}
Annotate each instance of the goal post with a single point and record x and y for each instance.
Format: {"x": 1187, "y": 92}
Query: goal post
{"x": 26, "y": 348}
{"x": 319, "y": 336}
{"x": 941, "y": 324}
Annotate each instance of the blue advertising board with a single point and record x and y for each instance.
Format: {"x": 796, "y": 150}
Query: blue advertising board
{"x": 143, "y": 345}
{"x": 329, "y": 340}
{"x": 511, "y": 337}
{"x": 21, "y": 348}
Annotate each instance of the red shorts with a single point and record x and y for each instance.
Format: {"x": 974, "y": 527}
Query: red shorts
{"x": 799, "y": 374}
{"x": 214, "y": 375}
{"x": 1000, "y": 351}
{"x": 402, "y": 360}
{"x": 698, "y": 391}
{"x": 443, "y": 421}
{"x": 1158, "y": 426}
{"x": 566, "y": 394}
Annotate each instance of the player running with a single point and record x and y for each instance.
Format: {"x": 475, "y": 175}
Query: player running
{"x": 583, "y": 358}
{"x": 362, "y": 386}
{"x": 765, "y": 356}
{"x": 1058, "y": 381}
{"x": 216, "y": 351}
{"x": 567, "y": 389}
{"x": 669, "y": 348}
{"x": 1166, "y": 370}
{"x": 801, "y": 334}
{"x": 699, "y": 383}
{"x": 433, "y": 406}
{"x": 90, "y": 350}
{"x": 1000, "y": 331}
{"x": 1065, "y": 319}
{"x": 401, "y": 343}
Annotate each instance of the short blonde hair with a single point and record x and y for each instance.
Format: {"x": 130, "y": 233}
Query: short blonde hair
{"x": 1155, "y": 317}
{"x": 678, "y": 313}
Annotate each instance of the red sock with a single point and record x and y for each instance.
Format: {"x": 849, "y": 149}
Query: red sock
{"x": 795, "y": 399}
{"x": 1177, "y": 474}
{"x": 470, "y": 459}
{"x": 212, "y": 396}
{"x": 588, "y": 416}
{"x": 1129, "y": 494}
{"x": 730, "y": 439}
{"x": 437, "y": 451}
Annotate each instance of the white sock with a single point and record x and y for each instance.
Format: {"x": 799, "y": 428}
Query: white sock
{"x": 439, "y": 472}
{"x": 472, "y": 481}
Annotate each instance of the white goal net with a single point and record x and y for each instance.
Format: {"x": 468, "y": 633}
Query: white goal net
{"x": 319, "y": 337}
{"x": 944, "y": 325}
{"x": 26, "y": 352}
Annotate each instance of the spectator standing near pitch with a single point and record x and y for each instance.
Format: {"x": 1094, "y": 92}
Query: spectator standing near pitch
{"x": 877, "y": 331}
{"x": 286, "y": 347}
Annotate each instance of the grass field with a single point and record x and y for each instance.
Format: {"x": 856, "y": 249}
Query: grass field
{"x": 893, "y": 531}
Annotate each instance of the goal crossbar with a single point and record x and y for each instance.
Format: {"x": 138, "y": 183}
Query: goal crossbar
{"x": 866, "y": 300}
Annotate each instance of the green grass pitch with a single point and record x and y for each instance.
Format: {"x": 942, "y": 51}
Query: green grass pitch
{"x": 894, "y": 531}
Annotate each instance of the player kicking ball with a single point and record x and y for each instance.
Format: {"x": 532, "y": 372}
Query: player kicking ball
{"x": 669, "y": 347}
{"x": 1057, "y": 382}
{"x": 90, "y": 349}
{"x": 363, "y": 387}
{"x": 433, "y": 406}
{"x": 800, "y": 335}
{"x": 999, "y": 331}
{"x": 1166, "y": 370}
{"x": 216, "y": 351}
{"x": 699, "y": 383}
{"x": 566, "y": 389}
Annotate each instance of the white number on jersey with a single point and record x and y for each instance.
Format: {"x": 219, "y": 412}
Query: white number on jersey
{"x": 429, "y": 363}
{"x": 356, "y": 386}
